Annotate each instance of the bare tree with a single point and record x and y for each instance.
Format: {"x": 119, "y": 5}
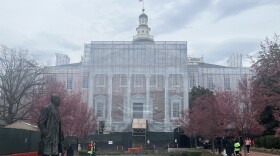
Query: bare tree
{"x": 20, "y": 75}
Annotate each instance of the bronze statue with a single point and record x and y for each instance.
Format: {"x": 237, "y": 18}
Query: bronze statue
{"x": 50, "y": 126}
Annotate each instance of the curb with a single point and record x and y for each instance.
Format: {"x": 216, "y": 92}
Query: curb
{"x": 25, "y": 154}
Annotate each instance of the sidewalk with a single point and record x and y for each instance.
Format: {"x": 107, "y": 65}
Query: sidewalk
{"x": 252, "y": 153}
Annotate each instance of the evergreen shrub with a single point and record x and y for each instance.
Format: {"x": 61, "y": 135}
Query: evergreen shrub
{"x": 269, "y": 142}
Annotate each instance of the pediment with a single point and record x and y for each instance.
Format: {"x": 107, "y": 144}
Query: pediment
{"x": 138, "y": 97}
{"x": 176, "y": 97}
{"x": 99, "y": 97}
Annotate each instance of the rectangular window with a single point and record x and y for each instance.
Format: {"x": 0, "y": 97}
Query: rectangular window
{"x": 101, "y": 80}
{"x": 137, "y": 110}
{"x": 153, "y": 80}
{"x": 138, "y": 81}
{"x": 227, "y": 83}
{"x": 192, "y": 81}
{"x": 210, "y": 84}
{"x": 69, "y": 83}
{"x": 175, "y": 80}
{"x": 53, "y": 78}
{"x": 176, "y": 109}
{"x": 123, "y": 80}
{"x": 85, "y": 81}
{"x": 99, "y": 109}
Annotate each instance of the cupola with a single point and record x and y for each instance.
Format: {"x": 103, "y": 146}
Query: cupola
{"x": 143, "y": 31}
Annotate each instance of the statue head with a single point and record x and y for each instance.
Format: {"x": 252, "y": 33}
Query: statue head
{"x": 55, "y": 100}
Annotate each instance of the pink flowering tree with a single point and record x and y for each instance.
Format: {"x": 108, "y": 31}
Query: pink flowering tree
{"x": 76, "y": 117}
{"x": 266, "y": 82}
{"x": 246, "y": 113}
{"x": 208, "y": 116}
{"x": 189, "y": 123}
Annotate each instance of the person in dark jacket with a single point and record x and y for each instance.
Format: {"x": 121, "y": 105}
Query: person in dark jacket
{"x": 230, "y": 147}
{"x": 50, "y": 126}
{"x": 70, "y": 151}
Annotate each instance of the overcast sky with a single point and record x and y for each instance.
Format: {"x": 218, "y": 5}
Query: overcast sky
{"x": 214, "y": 29}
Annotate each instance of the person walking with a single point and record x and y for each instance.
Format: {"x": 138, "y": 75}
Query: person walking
{"x": 70, "y": 151}
{"x": 230, "y": 147}
{"x": 49, "y": 124}
{"x": 237, "y": 147}
{"x": 248, "y": 144}
{"x": 91, "y": 149}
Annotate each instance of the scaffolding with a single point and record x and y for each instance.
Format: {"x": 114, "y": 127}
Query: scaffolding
{"x": 134, "y": 80}
{"x": 143, "y": 79}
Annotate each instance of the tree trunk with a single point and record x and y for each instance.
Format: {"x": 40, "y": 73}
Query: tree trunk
{"x": 195, "y": 141}
{"x": 191, "y": 141}
{"x": 213, "y": 145}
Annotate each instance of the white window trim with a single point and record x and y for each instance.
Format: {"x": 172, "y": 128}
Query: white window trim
{"x": 229, "y": 83}
{"x": 69, "y": 79}
{"x": 135, "y": 81}
{"x": 156, "y": 81}
{"x": 212, "y": 83}
{"x": 143, "y": 109}
{"x": 138, "y": 99}
{"x": 100, "y": 99}
{"x": 99, "y": 77}
{"x": 173, "y": 103}
{"x": 97, "y": 110}
{"x": 53, "y": 77}
{"x": 174, "y": 78}
{"x": 121, "y": 78}
{"x": 176, "y": 99}
{"x": 195, "y": 81}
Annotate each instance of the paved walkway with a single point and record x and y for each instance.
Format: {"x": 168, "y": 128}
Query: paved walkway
{"x": 252, "y": 153}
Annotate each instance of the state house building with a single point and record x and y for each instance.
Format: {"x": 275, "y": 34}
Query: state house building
{"x": 141, "y": 81}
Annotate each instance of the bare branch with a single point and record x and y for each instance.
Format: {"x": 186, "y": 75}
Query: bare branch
{"x": 19, "y": 76}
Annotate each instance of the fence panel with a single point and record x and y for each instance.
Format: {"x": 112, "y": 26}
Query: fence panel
{"x": 18, "y": 141}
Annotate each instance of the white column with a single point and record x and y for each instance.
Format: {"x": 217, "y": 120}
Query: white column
{"x": 109, "y": 119}
{"x": 91, "y": 86}
{"x": 186, "y": 91}
{"x": 128, "y": 111}
{"x": 148, "y": 107}
{"x": 166, "y": 102}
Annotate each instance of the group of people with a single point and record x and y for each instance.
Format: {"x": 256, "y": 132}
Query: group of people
{"x": 233, "y": 147}
{"x": 91, "y": 149}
